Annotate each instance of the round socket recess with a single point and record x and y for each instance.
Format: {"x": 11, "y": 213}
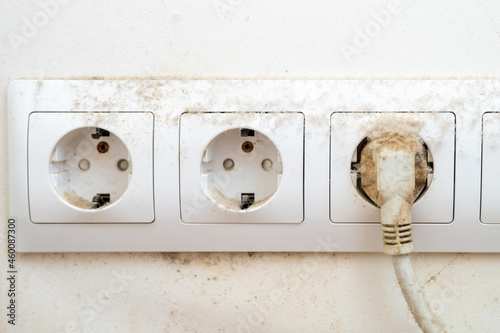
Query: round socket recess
{"x": 241, "y": 169}
{"x": 90, "y": 168}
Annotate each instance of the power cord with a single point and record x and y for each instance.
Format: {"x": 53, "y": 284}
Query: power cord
{"x": 392, "y": 167}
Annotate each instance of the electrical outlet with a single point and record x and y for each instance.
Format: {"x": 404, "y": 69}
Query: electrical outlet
{"x": 80, "y": 167}
{"x": 242, "y": 167}
{"x": 490, "y": 180}
{"x": 349, "y": 131}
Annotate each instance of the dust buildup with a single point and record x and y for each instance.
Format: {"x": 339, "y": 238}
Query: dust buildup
{"x": 397, "y": 135}
{"x": 74, "y": 199}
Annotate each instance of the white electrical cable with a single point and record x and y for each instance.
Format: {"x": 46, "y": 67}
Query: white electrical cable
{"x": 426, "y": 320}
{"x": 395, "y": 166}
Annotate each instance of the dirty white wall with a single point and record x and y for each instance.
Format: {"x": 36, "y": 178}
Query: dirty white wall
{"x": 266, "y": 292}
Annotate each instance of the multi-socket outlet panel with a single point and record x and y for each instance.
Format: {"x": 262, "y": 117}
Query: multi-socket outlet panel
{"x": 246, "y": 165}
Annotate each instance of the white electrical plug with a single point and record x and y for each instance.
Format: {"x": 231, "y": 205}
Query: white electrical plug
{"x": 396, "y": 188}
{"x": 393, "y": 167}
{"x": 394, "y": 172}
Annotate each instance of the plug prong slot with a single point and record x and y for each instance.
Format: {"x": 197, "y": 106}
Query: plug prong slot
{"x": 247, "y": 132}
{"x": 100, "y": 200}
{"x": 100, "y": 132}
{"x": 247, "y": 199}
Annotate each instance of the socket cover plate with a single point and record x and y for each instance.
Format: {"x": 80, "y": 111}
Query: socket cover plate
{"x": 490, "y": 185}
{"x": 135, "y": 129}
{"x": 285, "y": 130}
{"x": 437, "y": 129}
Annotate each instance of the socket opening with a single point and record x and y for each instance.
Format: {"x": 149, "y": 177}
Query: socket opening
{"x": 90, "y": 168}
{"x": 241, "y": 169}
{"x": 424, "y": 171}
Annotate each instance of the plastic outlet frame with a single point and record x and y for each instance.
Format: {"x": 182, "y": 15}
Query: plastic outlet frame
{"x": 490, "y": 209}
{"x": 305, "y": 222}
{"x": 134, "y": 129}
{"x": 284, "y": 129}
{"x": 436, "y": 129}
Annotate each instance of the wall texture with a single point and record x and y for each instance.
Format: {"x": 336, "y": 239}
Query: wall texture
{"x": 240, "y": 292}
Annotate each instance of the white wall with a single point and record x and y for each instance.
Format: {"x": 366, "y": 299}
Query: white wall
{"x": 225, "y": 292}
